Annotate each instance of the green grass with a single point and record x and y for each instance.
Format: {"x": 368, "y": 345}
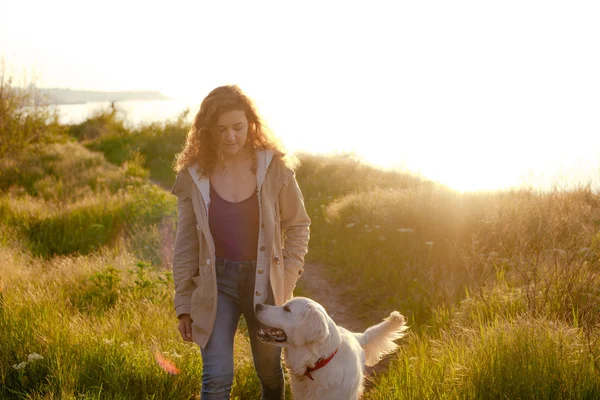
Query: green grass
{"x": 502, "y": 290}
{"x": 516, "y": 358}
{"x": 63, "y": 199}
{"x": 97, "y": 321}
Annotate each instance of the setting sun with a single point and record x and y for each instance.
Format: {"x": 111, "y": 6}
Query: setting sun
{"x": 477, "y": 96}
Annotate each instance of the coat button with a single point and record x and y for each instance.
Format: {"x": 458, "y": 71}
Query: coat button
{"x": 262, "y": 248}
{"x": 260, "y": 271}
{"x": 208, "y": 261}
{"x": 257, "y": 293}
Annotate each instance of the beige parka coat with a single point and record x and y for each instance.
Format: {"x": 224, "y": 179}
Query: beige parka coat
{"x": 282, "y": 241}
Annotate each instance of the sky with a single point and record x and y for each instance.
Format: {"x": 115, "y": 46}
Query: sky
{"x": 478, "y": 95}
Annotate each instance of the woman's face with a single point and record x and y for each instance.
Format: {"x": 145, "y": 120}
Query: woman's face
{"x": 232, "y": 127}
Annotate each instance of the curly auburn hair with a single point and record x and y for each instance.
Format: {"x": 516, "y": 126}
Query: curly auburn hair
{"x": 202, "y": 142}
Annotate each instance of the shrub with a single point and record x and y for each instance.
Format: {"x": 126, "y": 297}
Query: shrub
{"x": 66, "y": 172}
{"x": 384, "y": 239}
{"x": 154, "y": 145}
{"x": 65, "y": 199}
{"x": 23, "y": 121}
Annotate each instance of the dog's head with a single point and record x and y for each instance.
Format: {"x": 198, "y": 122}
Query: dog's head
{"x": 297, "y": 323}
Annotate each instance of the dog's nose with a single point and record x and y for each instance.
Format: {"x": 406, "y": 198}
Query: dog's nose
{"x": 259, "y": 307}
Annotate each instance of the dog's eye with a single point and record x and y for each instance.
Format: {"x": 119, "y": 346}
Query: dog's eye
{"x": 286, "y": 309}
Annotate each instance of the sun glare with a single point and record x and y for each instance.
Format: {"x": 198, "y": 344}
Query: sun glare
{"x": 445, "y": 91}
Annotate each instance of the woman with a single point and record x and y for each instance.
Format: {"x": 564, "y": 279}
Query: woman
{"x": 242, "y": 235}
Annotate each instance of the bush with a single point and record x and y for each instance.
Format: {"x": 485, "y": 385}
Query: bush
{"x": 65, "y": 199}
{"x": 66, "y": 172}
{"x": 23, "y": 121}
{"x": 384, "y": 239}
{"x": 153, "y": 145}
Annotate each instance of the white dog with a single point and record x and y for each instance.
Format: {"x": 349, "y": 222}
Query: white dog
{"x": 325, "y": 361}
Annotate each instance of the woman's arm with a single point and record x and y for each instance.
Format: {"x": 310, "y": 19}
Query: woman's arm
{"x": 295, "y": 224}
{"x": 185, "y": 252}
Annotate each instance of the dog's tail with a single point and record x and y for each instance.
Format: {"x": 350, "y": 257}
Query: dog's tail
{"x": 378, "y": 340}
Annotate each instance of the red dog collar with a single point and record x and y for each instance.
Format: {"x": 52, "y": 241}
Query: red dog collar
{"x": 321, "y": 362}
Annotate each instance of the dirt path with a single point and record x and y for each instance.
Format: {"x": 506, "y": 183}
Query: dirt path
{"x": 315, "y": 285}
{"x": 318, "y": 288}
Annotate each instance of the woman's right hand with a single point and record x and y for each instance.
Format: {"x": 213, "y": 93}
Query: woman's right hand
{"x": 185, "y": 327}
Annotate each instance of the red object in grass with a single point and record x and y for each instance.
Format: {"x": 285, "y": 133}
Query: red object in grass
{"x": 166, "y": 364}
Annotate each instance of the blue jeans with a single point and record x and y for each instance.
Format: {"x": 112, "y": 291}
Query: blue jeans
{"x": 235, "y": 283}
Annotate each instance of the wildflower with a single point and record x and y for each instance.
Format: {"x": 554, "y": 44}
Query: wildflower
{"x": 175, "y": 354}
{"x": 382, "y": 238}
{"x": 20, "y": 365}
{"x": 108, "y": 341}
{"x": 406, "y": 230}
{"x": 350, "y": 225}
{"x": 366, "y": 226}
{"x": 376, "y": 226}
{"x": 429, "y": 243}
{"x": 33, "y": 357}
{"x": 125, "y": 344}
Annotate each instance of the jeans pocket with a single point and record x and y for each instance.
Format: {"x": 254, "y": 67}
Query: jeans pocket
{"x": 228, "y": 279}
{"x": 219, "y": 270}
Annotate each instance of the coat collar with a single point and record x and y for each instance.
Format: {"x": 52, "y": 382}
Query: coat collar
{"x": 263, "y": 160}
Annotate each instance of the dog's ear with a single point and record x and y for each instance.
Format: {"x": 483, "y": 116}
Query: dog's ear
{"x": 313, "y": 326}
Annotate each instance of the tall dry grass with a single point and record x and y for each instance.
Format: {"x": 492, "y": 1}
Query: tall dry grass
{"x": 498, "y": 264}
{"x": 501, "y": 289}
{"x": 23, "y": 121}
{"x": 92, "y": 327}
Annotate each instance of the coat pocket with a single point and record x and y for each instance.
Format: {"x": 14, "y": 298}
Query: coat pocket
{"x": 196, "y": 294}
{"x": 291, "y": 275}
{"x": 201, "y": 305}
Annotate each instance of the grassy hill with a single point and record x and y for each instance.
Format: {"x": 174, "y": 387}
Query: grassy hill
{"x": 502, "y": 289}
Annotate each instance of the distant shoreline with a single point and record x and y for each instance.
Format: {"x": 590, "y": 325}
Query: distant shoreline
{"x": 57, "y": 96}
